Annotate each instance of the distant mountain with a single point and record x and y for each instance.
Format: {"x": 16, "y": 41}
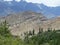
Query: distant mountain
{"x": 11, "y": 7}
{"x": 15, "y": 7}
{"x": 52, "y": 11}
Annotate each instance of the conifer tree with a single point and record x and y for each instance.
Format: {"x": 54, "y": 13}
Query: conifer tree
{"x": 33, "y": 32}
{"x": 4, "y": 29}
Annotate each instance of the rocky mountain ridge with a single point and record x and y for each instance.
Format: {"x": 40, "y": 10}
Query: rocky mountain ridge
{"x": 29, "y": 20}
{"x": 7, "y": 7}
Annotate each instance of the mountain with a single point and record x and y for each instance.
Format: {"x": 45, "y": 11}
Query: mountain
{"x": 53, "y": 23}
{"x": 29, "y": 20}
{"x": 24, "y": 21}
{"x": 15, "y": 7}
{"x": 52, "y": 11}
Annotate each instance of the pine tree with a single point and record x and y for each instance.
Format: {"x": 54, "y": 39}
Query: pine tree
{"x": 4, "y": 29}
{"x": 30, "y": 33}
{"x": 33, "y": 32}
{"x": 40, "y": 30}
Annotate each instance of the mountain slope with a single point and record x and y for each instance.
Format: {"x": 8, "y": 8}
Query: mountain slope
{"x": 24, "y": 21}
{"x": 29, "y": 20}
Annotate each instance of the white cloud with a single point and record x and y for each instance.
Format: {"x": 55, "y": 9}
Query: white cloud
{"x": 17, "y": 0}
{"x": 51, "y": 3}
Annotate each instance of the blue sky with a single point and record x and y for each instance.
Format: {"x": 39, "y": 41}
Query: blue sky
{"x": 50, "y": 3}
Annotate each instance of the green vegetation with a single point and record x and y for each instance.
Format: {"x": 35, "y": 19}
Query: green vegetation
{"x": 6, "y": 38}
{"x": 41, "y": 38}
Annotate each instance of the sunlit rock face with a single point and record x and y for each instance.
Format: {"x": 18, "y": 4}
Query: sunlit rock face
{"x": 29, "y": 20}
{"x": 24, "y": 21}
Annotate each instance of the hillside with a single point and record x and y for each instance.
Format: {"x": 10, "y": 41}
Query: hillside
{"x": 29, "y": 20}
{"x": 24, "y": 21}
